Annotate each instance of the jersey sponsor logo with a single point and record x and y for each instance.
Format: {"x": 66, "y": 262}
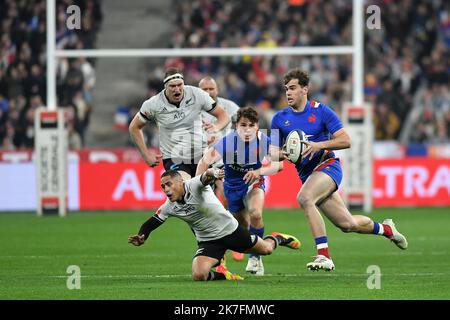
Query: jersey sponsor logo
{"x": 184, "y": 209}
{"x": 178, "y": 115}
{"x": 314, "y": 104}
{"x": 241, "y": 167}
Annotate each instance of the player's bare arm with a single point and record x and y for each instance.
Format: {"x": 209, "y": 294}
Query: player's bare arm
{"x": 145, "y": 230}
{"x": 223, "y": 119}
{"x": 210, "y": 175}
{"x": 210, "y": 157}
{"x": 270, "y": 169}
{"x": 277, "y": 154}
{"x": 137, "y": 136}
{"x": 341, "y": 140}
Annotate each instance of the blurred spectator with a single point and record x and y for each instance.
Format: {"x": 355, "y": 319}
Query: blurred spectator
{"x": 433, "y": 123}
{"x": 24, "y": 128}
{"x": 73, "y": 82}
{"x": 269, "y": 23}
{"x": 74, "y": 138}
{"x": 82, "y": 112}
{"x": 410, "y": 53}
{"x": 387, "y": 123}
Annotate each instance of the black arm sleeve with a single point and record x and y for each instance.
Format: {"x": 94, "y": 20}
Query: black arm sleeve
{"x": 144, "y": 116}
{"x": 150, "y": 225}
{"x": 213, "y": 106}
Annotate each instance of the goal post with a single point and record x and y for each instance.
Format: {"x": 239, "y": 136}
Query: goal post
{"x": 51, "y": 161}
{"x": 357, "y": 162}
{"x": 356, "y": 50}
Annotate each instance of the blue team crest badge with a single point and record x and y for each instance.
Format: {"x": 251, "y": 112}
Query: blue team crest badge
{"x": 287, "y": 123}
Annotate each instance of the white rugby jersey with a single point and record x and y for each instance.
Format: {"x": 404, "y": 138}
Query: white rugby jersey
{"x": 230, "y": 107}
{"x": 202, "y": 210}
{"x": 180, "y": 128}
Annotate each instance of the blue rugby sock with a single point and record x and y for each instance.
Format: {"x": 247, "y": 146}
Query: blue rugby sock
{"x": 259, "y": 233}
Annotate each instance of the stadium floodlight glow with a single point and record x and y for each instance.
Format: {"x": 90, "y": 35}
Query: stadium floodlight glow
{"x": 356, "y": 50}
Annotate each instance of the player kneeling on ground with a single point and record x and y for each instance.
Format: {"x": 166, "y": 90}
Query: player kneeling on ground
{"x": 215, "y": 228}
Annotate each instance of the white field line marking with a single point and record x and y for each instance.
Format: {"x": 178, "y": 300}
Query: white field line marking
{"x": 398, "y": 253}
{"x": 127, "y": 276}
{"x": 78, "y": 256}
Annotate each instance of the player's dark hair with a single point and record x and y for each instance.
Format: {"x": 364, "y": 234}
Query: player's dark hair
{"x": 172, "y": 174}
{"x": 171, "y": 71}
{"x": 248, "y": 113}
{"x": 300, "y": 75}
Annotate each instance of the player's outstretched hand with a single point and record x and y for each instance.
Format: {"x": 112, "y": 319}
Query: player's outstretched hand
{"x": 136, "y": 240}
{"x": 251, "y": 176}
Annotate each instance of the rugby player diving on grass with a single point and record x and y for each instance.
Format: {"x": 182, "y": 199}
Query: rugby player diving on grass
{"x": 215, "y": 229}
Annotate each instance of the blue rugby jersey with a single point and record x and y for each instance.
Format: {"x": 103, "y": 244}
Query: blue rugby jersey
{"x": 241, "y": 157}
{"x": 317, "y": 120}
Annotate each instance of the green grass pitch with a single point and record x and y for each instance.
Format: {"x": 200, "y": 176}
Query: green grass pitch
{"x": 35, "y": 253}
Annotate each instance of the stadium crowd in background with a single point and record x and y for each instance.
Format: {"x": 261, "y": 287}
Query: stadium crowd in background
{"x": 406, "y": 61}
{"x": 408, "y": 55}
{"x": 408, "y": 58}
{"x": 23, "y": 68}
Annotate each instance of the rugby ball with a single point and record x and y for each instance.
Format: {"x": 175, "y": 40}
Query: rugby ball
{"x": 294, "y": 147}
